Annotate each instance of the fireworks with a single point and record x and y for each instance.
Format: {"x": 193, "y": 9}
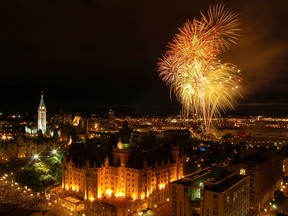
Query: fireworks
{"x": 191, "y": 67}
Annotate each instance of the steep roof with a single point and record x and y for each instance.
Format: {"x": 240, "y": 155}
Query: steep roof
{"x": 160, "y": 155}
{"x": 92, "y": 152}
{"x": 95, "y": 152}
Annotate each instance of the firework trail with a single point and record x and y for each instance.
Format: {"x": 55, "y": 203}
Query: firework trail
{"x": 191, "y": 67}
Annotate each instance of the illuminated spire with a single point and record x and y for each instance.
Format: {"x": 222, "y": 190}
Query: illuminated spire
{"x": 42, "y": 115}
{"x": 42, "y": 104}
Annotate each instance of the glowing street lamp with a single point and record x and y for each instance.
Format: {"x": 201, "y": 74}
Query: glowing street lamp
{"x": 4, "y": 137}
{"x": 36, "y": 157}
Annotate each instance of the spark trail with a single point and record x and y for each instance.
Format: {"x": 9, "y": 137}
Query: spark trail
{"x": 191, "y": 66}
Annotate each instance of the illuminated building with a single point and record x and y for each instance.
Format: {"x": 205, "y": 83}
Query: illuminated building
{"x": 111, "y": 116}
{"x": 79, "y": 124}
{"x": 126, "y": 178}
{"x": 226, "y": 195}
{"x": 265, "y": 170}
{"x": 61, "y": 118}
{"x": 42, "y": 115}
{"x": 184, "y": 194}
{"x": 285, "y": 166}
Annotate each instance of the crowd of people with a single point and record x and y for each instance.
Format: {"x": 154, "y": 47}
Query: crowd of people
{"x": 11, "y": 192}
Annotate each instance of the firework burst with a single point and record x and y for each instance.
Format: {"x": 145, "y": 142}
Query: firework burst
{"x": 191, "y": 67}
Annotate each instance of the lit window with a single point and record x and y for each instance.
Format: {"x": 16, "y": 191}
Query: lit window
{"x": 242, "y": 172}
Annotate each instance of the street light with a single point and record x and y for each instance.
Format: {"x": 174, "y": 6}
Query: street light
{"x": 4, "y": 137}
{"x": 36, "y": 157}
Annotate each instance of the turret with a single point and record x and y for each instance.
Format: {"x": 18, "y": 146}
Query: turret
{"x": 106, "y": 160}
{"x": 88, "y": 163}
{"x": 145, "y": 164}
{"x": 175, "y": 151}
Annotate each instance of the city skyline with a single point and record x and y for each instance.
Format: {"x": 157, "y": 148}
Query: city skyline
{"x": 86, "y": 55}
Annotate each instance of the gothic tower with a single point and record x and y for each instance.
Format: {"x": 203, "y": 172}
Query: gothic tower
{"x": 42, "y": 115}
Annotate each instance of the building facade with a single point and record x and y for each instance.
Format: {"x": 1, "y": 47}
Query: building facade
{"x": 265, "y": 171}
{"x": 135, "y": 178}
{"x": 227, "y": 195}
{"x": 184, "y": 194}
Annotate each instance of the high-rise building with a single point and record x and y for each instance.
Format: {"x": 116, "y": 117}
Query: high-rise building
{"x": 42, "y": 115}
{"x": 265, "y": 170}
{"x": 226, "y": 195}
{"x": 184, "y": 194}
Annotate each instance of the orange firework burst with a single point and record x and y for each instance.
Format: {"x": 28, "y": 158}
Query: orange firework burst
{"x": 203, "y": 85}
{"x": 223, "y": 24}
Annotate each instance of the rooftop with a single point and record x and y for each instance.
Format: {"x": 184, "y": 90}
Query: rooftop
{"x": 72, "y": 199}
{"x": 223, "y": 182}
{"x": 113, "y": 201}
{"x": 193, "y": 177}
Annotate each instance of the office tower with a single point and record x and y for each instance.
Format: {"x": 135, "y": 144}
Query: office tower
{"x": 265, "y": 170}
{"x": 226, "y": 195}
{"x": 184, "y": 194}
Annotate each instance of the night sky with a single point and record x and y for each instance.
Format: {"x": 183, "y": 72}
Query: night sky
{"x": 92, "y": 55}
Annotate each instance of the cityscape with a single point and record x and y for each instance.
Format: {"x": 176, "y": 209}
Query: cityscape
{"x": 68, "y": 164}
{"x": 145, "y": 108}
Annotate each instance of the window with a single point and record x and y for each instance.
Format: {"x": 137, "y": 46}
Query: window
{"x": 242, "y": 171}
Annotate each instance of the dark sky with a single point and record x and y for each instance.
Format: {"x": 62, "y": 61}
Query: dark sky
{"x": 86, "y": 54}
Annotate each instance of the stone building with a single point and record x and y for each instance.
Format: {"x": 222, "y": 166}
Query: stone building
{"x": 125, "y": 178}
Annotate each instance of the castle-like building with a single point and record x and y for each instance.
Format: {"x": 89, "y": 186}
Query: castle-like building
{"x": 42, "y": 115}
{"x": 136, "y": 176}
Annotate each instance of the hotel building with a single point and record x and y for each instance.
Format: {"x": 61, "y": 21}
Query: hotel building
{"x": 127, "y": 179}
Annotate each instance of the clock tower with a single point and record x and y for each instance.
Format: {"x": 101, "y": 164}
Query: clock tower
{"x": 42, "y": 115}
